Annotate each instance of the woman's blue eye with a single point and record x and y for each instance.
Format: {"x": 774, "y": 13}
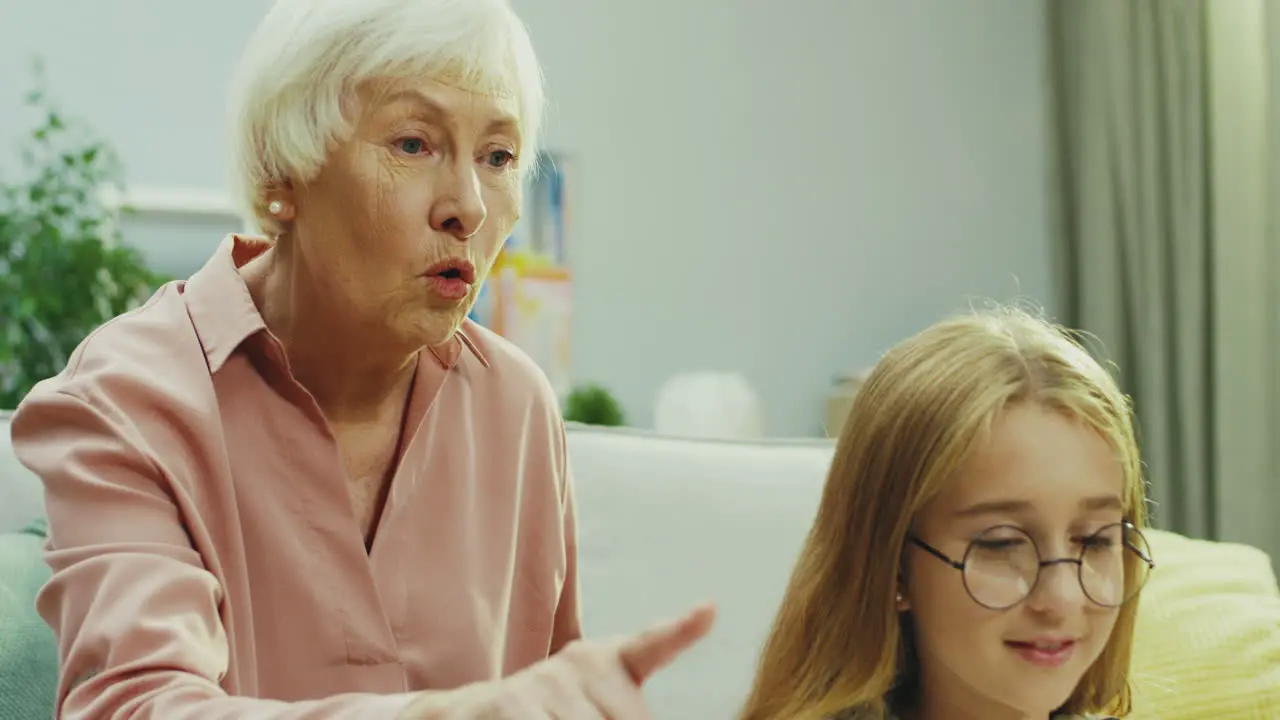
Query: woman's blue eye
{"x": 500, "y": 158}
{"x": 413, "y": 146}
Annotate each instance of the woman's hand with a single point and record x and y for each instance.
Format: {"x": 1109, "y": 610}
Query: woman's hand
{"x": 588, "y": 680}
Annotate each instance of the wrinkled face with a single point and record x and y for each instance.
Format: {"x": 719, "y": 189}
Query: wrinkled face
{"x": 407, "y": 216}
{"x": 1043, "y": 480}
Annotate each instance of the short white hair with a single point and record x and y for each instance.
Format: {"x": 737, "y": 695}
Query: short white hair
{"x": 307, "y": 58}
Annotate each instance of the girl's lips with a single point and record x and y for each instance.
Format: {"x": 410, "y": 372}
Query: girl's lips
{"x": 1044, "y": 654}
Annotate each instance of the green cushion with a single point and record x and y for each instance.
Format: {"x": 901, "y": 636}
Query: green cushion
{"x": 28, "y": 650}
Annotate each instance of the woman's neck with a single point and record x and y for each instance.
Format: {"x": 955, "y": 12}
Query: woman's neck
{"x": 351, "y": 374}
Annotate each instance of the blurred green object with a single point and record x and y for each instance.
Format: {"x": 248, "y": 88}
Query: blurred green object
{"x": 593, "y": 405}
{"x": 63, "y": 267}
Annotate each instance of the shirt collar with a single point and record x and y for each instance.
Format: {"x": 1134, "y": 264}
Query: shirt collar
{"x": 449, "y": 354}
{"x": 225, "y": 316}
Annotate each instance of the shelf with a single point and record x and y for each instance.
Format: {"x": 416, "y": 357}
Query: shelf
{"x": 173, "y": 201}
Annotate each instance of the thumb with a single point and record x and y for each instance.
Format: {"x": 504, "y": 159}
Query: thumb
{"x": 654, "y": 649}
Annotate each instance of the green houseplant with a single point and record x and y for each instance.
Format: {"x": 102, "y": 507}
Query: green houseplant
{"x": 591, "y": 404}
{"x": 63, "y": 267}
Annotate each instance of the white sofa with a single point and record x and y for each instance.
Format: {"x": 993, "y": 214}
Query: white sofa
{"x": 665, "y": 523}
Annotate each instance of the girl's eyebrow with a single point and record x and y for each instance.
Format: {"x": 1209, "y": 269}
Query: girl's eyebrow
{"x": 1016, "y": 507}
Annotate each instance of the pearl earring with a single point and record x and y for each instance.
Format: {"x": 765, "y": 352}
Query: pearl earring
{"x": 275, "y": 207}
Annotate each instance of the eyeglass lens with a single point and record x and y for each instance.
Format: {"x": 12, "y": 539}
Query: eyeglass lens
{"x": 1002, "y": 566}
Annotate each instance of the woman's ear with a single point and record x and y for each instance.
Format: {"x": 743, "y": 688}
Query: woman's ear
{"x": 280, "y": 203}
{"x": 900, "y": 600}
{"x": 278, "y": 210}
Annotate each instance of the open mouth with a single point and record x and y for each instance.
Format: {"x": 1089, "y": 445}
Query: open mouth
{"x": 453, "y": 270}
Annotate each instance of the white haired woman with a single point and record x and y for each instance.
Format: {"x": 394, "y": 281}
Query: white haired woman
{"x": 301, "y": 484}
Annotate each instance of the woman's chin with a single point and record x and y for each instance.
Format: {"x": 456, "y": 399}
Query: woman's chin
{"x": 438, "y": 327}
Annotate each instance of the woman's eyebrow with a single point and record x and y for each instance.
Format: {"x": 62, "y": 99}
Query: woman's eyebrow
{"x": 426, "y": 108}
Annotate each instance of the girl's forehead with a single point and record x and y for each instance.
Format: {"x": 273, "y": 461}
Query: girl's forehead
{"x": 1035, "y": 460}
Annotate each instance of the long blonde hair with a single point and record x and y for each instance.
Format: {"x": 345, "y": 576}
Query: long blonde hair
{"x": 838, "y": 644}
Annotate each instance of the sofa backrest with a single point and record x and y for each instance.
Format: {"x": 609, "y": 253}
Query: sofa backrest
{"x": 665, "y": 523}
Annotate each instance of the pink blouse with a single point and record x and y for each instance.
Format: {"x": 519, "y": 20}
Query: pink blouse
{"x": 207, "y": 562}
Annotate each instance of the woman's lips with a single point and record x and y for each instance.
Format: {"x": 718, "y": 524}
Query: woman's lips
{"x": 451, "y": 279}
{"x": 449, "y": 288}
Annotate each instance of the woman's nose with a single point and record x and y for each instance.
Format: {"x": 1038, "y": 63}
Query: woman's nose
{"x": 459, "y": 207}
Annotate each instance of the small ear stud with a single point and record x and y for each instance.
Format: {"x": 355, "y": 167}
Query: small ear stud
{"x": 898, "y": 597}
{"x": 275, "y": 207}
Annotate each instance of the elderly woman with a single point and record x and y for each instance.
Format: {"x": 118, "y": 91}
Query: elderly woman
{"x": 301, "y": 484}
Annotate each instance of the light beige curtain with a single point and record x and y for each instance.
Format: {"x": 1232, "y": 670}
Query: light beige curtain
{"x": 1162, "y": 189}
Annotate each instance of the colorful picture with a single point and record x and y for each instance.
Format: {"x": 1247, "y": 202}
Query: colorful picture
{"x": 528, "y": 298}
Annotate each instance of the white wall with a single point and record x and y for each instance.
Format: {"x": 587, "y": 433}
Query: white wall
{"x": 152, "y": 78}
{"x": 783, "y": 188}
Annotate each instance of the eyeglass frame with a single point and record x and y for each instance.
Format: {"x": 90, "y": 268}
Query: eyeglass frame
{"x": 1078, "y": 561}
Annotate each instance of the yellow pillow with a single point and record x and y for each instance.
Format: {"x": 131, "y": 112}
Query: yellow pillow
{"x": 1208, "y": 635}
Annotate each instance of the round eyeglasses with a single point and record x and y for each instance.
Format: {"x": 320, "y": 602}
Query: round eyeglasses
{"x": 1002, "y": 565}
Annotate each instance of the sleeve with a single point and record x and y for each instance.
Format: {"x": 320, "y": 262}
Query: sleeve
{"x": 568, "y": 622}
{"x": 134, "y": 609}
